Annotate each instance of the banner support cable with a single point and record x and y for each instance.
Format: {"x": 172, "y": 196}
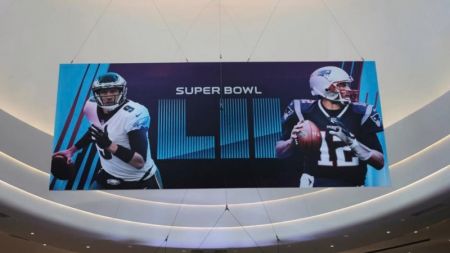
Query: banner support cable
{"x": 170, "y": 30}
{"x": 91, "y": 31}
{"x": 342, "y": 29}
{"x": 263, "y": 31}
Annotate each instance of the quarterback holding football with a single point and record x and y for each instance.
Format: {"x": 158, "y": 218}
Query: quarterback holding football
{"x": 334, "y": 136}
{"x": 119, "y": 129}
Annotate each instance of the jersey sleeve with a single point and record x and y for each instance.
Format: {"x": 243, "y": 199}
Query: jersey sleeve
{"x": 90, "y": 111}
{"x": 138, "y": 118}
{"x": 371, "y": 121}
{"x": 371, "y": 141}
{"x": 288, "y": 121}
{"x": 84, "y": 141}
{"x": 138, "y": 142}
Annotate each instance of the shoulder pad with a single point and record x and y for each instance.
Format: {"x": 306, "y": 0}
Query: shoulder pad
{"x": 135, "y": 109}
{"x": 306, "y": 104}
{"x": 307, "y": 101}
{"x": 289, "y": 110}
{"x": 360, "y": 108}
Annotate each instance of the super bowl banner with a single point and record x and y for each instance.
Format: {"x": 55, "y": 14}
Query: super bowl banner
{"x": 218, "y": 125}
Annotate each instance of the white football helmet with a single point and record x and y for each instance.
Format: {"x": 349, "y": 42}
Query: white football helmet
{"x": 327, "y": 83}
{"x": 106, "y": 81}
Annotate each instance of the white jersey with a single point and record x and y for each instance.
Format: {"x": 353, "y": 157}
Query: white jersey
{"x": 131, "y": 116}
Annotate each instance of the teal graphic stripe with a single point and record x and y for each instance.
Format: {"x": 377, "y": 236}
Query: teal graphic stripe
{"x": 173, "y": 142}
{"x": 70, "y": 78}
{"x": 369, "y": 88}
{"x": 267, "y": 126}
{"x": 234, "y": 132}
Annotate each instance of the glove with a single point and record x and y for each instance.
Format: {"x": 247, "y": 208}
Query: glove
{"x": 360, "y": 150}
{"x": 68, "y": 153}
{"x": 296, "y": 131}
{"x": 343, "y": 134}
{"x": 100, "y": 137}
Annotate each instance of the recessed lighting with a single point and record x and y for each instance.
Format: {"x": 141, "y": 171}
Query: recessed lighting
{"x": 427, "y": 227}
{"x": 416, "y": 232}
{"x": 388, "y": 232}
{"x": 88, "y": 247}
{"x": 31, "y": 233}
{"x": 44, "y": 244}
{"x": 331, "y": 246}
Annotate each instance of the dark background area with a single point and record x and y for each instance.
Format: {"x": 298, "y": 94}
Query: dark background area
{"x": 147, "y": 83}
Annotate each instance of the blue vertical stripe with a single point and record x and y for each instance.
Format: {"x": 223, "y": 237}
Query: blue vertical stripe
{"x": 234, "y": 129}
{"x": 352, "y": 67}
{"x": 267, "y": 126}
{"x": 173, "y": 142}
{"x": 369, "y": 89}
{"x": 81, "y": 170}
{"x": 90, "y": 177}
{"x": 69, "y": 82}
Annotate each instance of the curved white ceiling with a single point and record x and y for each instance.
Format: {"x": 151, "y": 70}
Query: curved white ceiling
{"x": 407, "y": 39}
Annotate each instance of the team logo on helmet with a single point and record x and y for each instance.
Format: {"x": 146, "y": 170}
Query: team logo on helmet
{"x": 332, "y": 83}
{"x": 324, "y": 73}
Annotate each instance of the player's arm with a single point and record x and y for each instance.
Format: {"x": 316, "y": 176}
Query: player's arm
{"x": 371, "y": 145}
{"x": 291, "y": 126}
{"x": 135, "y": 155}
{"x": 82, "y": 143}
{"x": 367, "y": 148}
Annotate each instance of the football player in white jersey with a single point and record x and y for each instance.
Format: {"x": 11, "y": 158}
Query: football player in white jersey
{"x": 119, "y": 128}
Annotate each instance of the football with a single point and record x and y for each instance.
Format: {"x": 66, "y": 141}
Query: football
{"x": 61, "y": 169}
{"x": 309, "y": 139}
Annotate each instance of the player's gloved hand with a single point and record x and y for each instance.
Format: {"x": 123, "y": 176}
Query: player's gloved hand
{"x": 296, "y": 131}
{"x": 100, "y": 136}
{"x": 68, "y": 153}
{"x": 346, "y": 136}
{"x": 360, "y": 150}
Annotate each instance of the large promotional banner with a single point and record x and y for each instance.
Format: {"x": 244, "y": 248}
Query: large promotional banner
{"x": 218, "y": 125}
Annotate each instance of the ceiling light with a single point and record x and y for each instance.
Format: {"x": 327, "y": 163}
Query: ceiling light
{"x": 416, "y": 232}
{"x": 388, "y": 232}
{"x": 31, "y": 233}
{"x": 44, "y": 244}
{"x": 88, "y": 247}
{"x": 331, "y": 246}
{"x": 346, "y": 236}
